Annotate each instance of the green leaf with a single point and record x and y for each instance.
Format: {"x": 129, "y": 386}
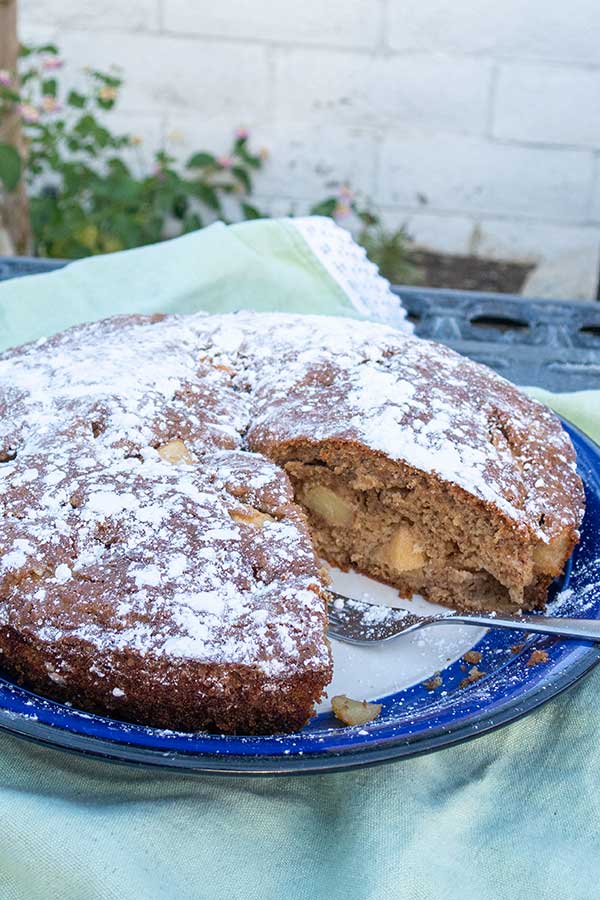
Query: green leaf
{"x": 199, "y": 160}
{"x": 86, "y": 125}
{"x": 192, "y": 223}
{"x": 74, "y": 98}
{"x": 249, "y": 158}
{"x": 108, "y": 80}
{"x": 207, "y": 195}
{"x": 325, "y": 207}
{"x": 163, "y": 158}
{"x": 74, "y": 145}
{"x": 125, "y": 189}
{"x": 10, "y": 167}
{"x": 50, "y": 87}
{"x": 180, "y": 206}
{"x": 28, "y": 75}
{"x": 117, "y": 166}
{"x": 49, "y": 49}
{"x": 240, "y": 173}
{"x": 37, "y": 49}
{"x": 250, "y": 212}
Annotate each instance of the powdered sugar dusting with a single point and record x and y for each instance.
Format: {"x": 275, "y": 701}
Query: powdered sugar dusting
{"x": 112, "y": 545}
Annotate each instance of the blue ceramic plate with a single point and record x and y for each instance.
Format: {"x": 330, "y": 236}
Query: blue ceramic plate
{"x": 413, "y": 720}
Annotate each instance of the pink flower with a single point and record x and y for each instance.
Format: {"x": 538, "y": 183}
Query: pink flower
{"x": 225, "y": 162}
{"x": 28, "y": 113}
{"x": 345, "y": 193}
{"x": 50, "y": 104}
{"x": 242, "y": 134}
{"x": 5, "y": 79}
{"x": 52, "y": 62}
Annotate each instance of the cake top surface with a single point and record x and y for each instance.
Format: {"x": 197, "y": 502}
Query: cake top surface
{"x": 104, "y": 539}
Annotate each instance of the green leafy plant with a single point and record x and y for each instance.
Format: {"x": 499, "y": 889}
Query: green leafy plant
{"x": 85, "y": 196}
{"x": 89, "y": 191}
{"x": 391, "y": 251}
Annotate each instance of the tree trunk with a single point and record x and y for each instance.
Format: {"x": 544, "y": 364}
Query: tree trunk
{"x": 14, "y": 208}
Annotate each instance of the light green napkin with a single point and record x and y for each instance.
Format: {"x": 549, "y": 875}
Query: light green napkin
{"x": 262, "y": 265}
{"x": 514, "y": 815}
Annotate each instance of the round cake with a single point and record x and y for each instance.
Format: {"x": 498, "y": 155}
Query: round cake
{"x": 169, "y": 484}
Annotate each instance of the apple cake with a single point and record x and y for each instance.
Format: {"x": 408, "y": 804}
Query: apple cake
{"x": 169, "y": 484}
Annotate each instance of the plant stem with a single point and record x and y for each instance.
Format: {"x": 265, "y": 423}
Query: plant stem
{"x": 14, "y": 207}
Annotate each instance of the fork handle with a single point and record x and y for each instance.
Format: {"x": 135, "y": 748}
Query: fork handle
{"x": 584, "y": 629}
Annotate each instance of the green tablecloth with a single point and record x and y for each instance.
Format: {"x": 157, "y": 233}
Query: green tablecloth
{"x": 514, "y": 815}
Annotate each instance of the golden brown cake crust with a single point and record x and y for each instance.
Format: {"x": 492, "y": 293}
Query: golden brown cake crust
{"x": 153, "y": 564}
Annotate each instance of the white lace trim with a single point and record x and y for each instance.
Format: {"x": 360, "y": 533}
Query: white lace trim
{"x": 347, "y": 263}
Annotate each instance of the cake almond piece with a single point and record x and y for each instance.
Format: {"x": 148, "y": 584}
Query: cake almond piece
{"x": 168, "y": 483}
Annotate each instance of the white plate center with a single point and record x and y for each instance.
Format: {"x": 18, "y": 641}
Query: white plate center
{"x": 369, "y": 672}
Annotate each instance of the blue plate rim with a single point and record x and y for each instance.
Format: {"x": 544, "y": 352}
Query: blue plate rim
{"x": 301, "y": 754}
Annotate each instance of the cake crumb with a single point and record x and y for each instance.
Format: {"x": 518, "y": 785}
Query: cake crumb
{"x": 537, "y": 657}
{"x": 474, "y": 675}
{"x": 354, "y": 712}
{"x": 472, "y": 657}
{"x": 516, "y": 648}
{"x": 433, "y": 683}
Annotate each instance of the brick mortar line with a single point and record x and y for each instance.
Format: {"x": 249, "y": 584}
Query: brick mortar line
{"x": 491, "y": 101}
{"x": 160, "y": 9}
{"x": 382, "y": 42}
{"x": 384, "y": 130}
{"x": 589, "y": 149}
{"x": 475, "y": 217}
{"x": 593, "y": 187}
{"x": 272, "y": 79}
{"x": 283, "y": 44}
{"x": 380, "y": 131}
{"x": 217, "y": 38}
{"x": 590, "y": 223}
{"x": 505, "y": 58}
{"x": 538, "y": 62}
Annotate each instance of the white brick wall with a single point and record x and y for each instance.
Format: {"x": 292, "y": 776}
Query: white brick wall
{"x": 213, "y": 79}
{"x": 544, "y": 104}
{"x": 381, "y": 91}
{"x": 339, "y": 23}
{"x": 472, "y": 174}
{"x": 525, "y": 29}
{"x": 138, "y": 15}
{"x": 475, "y": 122}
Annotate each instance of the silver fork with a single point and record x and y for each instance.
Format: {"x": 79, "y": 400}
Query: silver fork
{"x": 357, "y": 622}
